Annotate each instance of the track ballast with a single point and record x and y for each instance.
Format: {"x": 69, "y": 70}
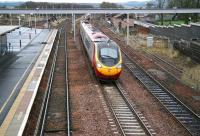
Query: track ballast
{"x": 180, "y": 111}
{"x": 128, "y": 118}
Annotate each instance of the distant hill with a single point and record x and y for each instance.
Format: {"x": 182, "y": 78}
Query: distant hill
{"x": 10, "y": 4}
{"x": 125, "y": 4}
{"x": 134, "y": 4}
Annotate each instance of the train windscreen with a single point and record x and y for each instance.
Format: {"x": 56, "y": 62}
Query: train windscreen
{"x": 108, "y": 55}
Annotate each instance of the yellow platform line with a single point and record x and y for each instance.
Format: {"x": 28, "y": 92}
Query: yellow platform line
{"x": 5, "y": 125}
{"x": 15, "y": 106}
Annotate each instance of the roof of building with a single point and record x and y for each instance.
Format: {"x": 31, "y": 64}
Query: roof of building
{"x": 6, "y": 29}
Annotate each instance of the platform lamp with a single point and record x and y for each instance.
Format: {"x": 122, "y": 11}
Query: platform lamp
{"x": 10, "y": 19}
{"x": 35, "y": 23}
{"x": 127, "y": 35}
{"x": 19, "y": 23}
{"x": 36, "y": 19}
{"x": 29, "y": 21}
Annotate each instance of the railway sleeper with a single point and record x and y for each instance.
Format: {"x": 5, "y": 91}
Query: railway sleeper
{"x": 55, "y": 130}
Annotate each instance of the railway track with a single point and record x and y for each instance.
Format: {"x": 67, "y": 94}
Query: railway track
{"x": 54, "y": 114}
{"x": 166, "y": 66}
{"x": 186, "y": 117}
{"x": 171, "y": 66}
{"x": 128, "y": 118}
{"x": 163, "y": 64}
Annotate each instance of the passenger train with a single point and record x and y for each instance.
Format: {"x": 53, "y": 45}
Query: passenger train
{"x": 104, "y": 54}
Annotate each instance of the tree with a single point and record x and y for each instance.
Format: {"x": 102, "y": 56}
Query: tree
{"x": 185, "y": 4}
{"x": 41, "y": 5}
{"x": 161, "y": 4}
{"x": 109, "y": 5}
{"x": 179, "y": 4}
{"x": 149, "y": 5}
{"x": 198, "y": 6}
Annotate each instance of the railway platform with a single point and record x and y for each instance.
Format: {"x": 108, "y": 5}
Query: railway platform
{"x": 20, "y": 38}
{"x": 19, "y": 83}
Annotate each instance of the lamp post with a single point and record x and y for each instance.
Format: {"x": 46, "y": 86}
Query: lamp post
{"x": 29, "y": 21}
{"x": 74, "y": 26}
{"x": 35, "y": 23}
{"x": 19, "y": 23}
{"x": 11, "y": 19}
{"x": 127, "y": 29}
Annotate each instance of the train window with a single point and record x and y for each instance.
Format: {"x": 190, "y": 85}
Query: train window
{"x": 109, "y": 56}
{"x": 108, "y": 53}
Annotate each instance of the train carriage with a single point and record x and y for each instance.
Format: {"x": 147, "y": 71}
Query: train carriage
{"x": 104, "y": 54}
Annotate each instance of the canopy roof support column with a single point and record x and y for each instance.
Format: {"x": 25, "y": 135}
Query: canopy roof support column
{"x": 11, "y": 19}
{"x": 74, "y": 25}
{"x": 127, "y": 40}
{"x": 35, "y": 22}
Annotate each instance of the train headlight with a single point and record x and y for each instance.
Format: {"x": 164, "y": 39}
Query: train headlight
{"x": 119, "y": 66}
{"x": 99, "y": 65}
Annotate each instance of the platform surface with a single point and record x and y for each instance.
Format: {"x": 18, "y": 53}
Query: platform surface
{"x": 24, "y": 35}
{"x": 14, "y": 74}
{"x": 17, "y": 117}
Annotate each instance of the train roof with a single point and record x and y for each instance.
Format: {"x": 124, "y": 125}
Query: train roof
{"x": 95, "y": 34}
{"x": 109, "y": 43}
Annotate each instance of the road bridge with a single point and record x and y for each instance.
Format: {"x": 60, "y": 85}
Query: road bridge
{"x": 98, "y": 11}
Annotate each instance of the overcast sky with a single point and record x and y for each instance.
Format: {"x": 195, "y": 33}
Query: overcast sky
{"x": 76, "y": 1}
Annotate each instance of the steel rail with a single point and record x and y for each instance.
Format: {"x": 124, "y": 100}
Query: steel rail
{"x": 127, "y": 107}
{"x": 98, "y": 11}
{"x": 48, "y": 94}
{"x": 164, "y": 61}
{"x": 184, "y": 115}
{"x": 113, "y": 112}
{"x": 153, "y": 85}
{"x": 42, "y": 116}
{"x": 117, "y": 84}
{"x": 168, "y": 68}
{"x": 44, "y": 108}
{"x": 66, "y": 91}
{"x": 66, "y": 82}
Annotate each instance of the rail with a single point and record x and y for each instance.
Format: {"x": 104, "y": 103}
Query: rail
{"x": 42, "y": 116}
{"x": 45, "y": 109}
{"x": 150, "y": 133}
{"x": 66, "y": 85}
{"x": 184, "y": 115}
{"x": 125, "y": 114}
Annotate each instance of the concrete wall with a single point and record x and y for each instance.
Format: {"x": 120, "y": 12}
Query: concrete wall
{"x": 177, "y": 32}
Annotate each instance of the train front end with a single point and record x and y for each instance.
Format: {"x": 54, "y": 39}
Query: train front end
{"x": 108, "y": 60}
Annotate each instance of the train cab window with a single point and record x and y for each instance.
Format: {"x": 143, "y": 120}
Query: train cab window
{"x": 108, "y": 53}
{"x": 108, "y": 56}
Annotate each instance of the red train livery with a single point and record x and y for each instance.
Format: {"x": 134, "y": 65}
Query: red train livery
{"x": 104, "y": 54}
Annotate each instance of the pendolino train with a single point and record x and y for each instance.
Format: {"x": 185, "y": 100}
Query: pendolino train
{"x": 104, "y": 54}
